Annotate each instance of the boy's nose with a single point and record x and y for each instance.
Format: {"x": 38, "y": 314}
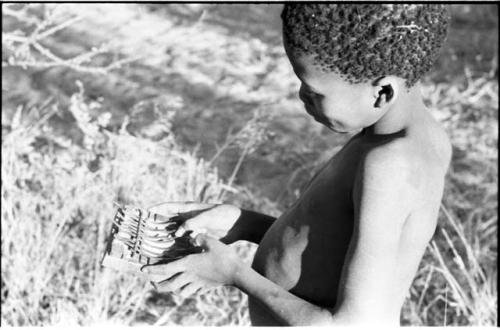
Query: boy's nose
{"x": 303, "y": 95}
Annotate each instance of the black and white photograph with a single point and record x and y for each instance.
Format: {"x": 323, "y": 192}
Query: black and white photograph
{"x": 249, "y": 164}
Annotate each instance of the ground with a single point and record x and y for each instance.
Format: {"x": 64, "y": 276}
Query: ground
{"x": 222, "y": 65}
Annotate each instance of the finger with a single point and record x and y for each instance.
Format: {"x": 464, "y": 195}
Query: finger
{"x": 174, "y": 283}
{"x": 189, "y": 289}
{"x": 181, "y": 231}
{"x": 194, "y": 227}
{"x": 153, "y": 279}
{"x": 168, "y": 270}
{"x": 196, "y": 224}
{"x": 204, "y": 286}
{"x": 177, "y": 207}
{"x": 206, "y": 242}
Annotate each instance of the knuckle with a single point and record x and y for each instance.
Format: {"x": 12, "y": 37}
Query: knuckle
{"x": 180, "y": 278}
{"x": 177, "y": 279}
{"x": 154, "y": 270}
{"x": 188, "y": 225}
{"x": 191, "y": 289}
{"x": 190, "y": 260}
{"x": 184, "y": 291}
{"x": 177, "y": 286}
{"x": 164, "y": 286}
{"x": 156, "y": 278}
{"x": 168, "y": 285}
{"x": 160, "y": 207}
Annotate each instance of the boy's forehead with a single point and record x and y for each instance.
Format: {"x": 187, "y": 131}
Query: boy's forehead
{"x": 305, "y": 67}
{"x": 303, "y": 64}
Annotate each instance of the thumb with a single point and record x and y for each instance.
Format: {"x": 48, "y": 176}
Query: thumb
{"x": 196, "y": 225}
{"x": 206, "y": 242}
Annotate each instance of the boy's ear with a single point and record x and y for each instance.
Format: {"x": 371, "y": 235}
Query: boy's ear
{"x": 385, "y": 91}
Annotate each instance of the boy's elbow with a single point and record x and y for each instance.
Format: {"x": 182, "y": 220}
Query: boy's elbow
{"x": 349, "y": 317}
{"x": 323, "y": 318}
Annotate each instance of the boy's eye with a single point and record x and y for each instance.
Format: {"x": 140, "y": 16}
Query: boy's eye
{"x": 313, "y": 93}
{"x": 310, "y": 91}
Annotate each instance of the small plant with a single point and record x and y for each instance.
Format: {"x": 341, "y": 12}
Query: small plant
{"x": 26, "y": 46}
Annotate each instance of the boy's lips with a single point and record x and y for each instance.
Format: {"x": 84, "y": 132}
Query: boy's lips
{"x": 310, "y": 109}
{"x": 320, "y": 118}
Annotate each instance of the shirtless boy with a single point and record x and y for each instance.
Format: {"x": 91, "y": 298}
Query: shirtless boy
{"x": 346, "y": 252}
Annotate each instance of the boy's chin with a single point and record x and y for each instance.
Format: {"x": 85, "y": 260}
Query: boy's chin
{"x": 333, "y": 127}
{"x": 336, "y": 130}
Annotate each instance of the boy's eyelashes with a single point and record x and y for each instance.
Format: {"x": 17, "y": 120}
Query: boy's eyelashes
{"x": 310, "y": 91}
{"x": 313, "y": 93}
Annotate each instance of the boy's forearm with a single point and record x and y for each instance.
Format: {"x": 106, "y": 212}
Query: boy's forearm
{"x": 250, "y": 226}
{"x": 286, "y": 307}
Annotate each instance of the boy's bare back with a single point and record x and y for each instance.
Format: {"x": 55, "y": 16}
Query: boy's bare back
{"x": 305, "y": 249}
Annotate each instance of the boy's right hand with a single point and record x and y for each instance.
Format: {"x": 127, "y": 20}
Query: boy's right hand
{"x": 215, "y": 220}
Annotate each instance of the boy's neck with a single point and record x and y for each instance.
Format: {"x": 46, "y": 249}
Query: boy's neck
{"x": 403, "y": 113}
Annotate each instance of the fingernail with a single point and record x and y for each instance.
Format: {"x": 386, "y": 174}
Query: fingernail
{"x": 198, "y": 231}
{"x": 198, "y": 239}
{"x": 180, "y": 232}
{"x": 193, "y": 241}
{"x": 144, "y": 269}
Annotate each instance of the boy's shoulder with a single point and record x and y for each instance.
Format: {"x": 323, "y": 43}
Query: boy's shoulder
{"x": 411, "y": 159}
{"x": 389, "y": 165}
{"x": 423, "y": 145}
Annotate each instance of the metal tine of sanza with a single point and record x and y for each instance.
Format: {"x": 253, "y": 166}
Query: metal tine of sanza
{"x": 145, "y": 233}
{"x": 129, "y": 226}
{"x": 126, "y": 237}
{"x": 129, "y": 229}
{"x": 161, "y": 219}
{"x": 128, "y": 243}
{"x": 143, "y": 246}
{"x": 163, "y": 227}
{"x": 136, "y": 227}
{"x": 147, "y": 225}
{"x": 122, "y": 218}
{"x": 118, "y": 219}
{"x": 134, "y": 230}
{"x": 130, "y": 221}
{"x": 136, "y": 248}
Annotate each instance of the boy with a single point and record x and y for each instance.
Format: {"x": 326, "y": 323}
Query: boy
{"x": 347, "y": 251}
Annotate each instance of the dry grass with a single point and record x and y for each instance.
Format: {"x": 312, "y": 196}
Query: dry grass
{"x": 456, "y": 282}
{"x": 57, "y": 203}
{"x": 58, "y": 188}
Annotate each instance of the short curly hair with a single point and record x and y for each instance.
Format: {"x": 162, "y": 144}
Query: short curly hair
{"x": 362, "y": 42}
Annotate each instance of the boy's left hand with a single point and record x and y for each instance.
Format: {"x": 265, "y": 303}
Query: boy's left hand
{"x": 215, "y": 266}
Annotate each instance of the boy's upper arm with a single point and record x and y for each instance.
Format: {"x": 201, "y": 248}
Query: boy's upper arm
{"x": 382, "y": 197}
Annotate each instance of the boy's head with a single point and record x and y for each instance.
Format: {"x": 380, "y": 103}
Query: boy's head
{"x": 359, "y": 56}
